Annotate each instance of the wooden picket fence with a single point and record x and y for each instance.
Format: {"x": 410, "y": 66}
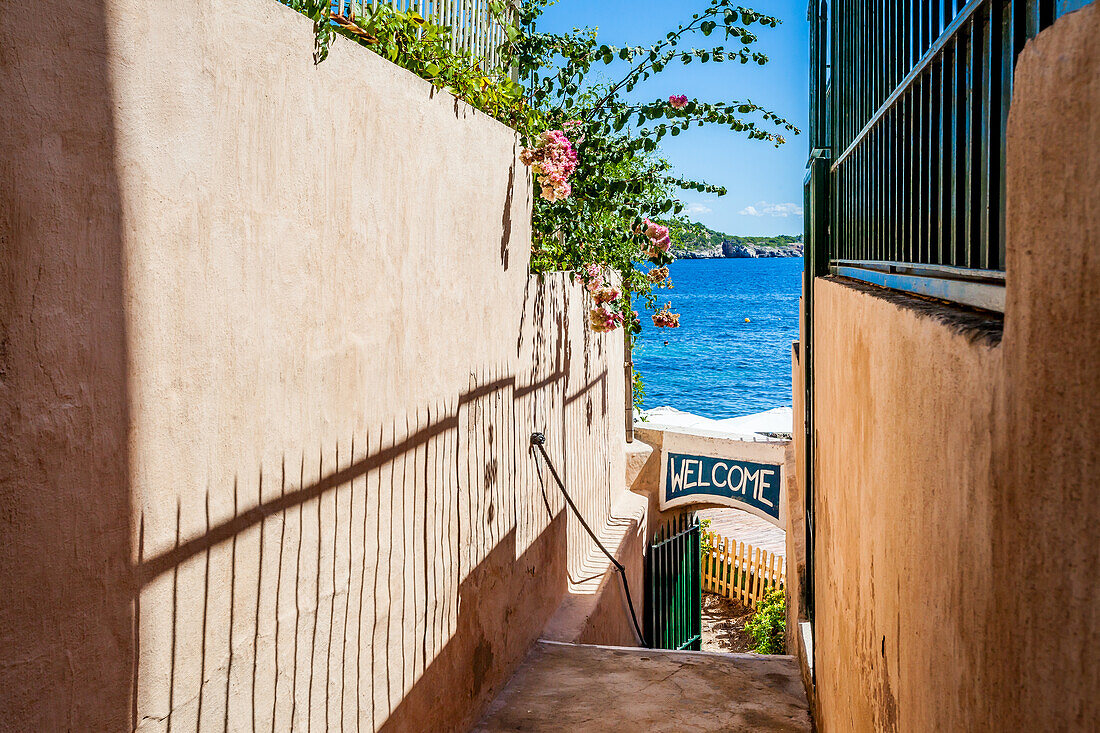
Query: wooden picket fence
{"x": 740, "y": 571}
{"x": 474, "y": 27}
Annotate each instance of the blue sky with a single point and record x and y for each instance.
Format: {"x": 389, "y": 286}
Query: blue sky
{"x": 765, "y": 184}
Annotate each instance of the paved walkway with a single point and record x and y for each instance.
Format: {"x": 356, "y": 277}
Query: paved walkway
{"x": 572, "y": 687}
{"x": 734, "y": 524}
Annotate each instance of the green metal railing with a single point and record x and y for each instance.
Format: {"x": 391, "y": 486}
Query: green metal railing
{"x": 674, "y": 588}
{"x": 909, "y": 111}
{"x": 905, "y": 184}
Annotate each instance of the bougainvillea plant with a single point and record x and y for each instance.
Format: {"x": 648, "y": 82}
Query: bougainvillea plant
{"x": 593, "y": 148}
{"x": 620, "y": 189}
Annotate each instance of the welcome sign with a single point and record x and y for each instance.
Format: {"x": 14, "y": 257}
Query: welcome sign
{"x": 739, "y": 474}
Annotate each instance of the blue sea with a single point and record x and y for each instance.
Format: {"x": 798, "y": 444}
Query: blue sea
{"x": 717, "y": 365}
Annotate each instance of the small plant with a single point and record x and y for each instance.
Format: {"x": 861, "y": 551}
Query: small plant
{"x": 769, "y": 623}
{"x": 639, "y": 394}
{"x": 704, "y": 537}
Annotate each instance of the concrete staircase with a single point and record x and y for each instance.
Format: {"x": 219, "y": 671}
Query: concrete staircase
{"x": 578, "y": 687}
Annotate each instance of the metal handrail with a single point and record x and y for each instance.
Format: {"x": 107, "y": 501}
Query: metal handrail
{"x": 538, "y": 440}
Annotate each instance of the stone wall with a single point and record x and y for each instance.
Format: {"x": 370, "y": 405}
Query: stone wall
{"x": 270, "y": 362}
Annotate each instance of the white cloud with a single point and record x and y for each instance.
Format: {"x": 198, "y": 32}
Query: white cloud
{"x": 697, "y": 209}
{"x": 779, "y": 211}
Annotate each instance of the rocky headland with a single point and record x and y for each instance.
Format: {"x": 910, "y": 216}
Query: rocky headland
{"x": 733, "y": 250}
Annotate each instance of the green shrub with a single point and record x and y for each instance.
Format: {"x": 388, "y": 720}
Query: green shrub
{"x": 769, "y": 623}
{"x": 704, "y": 537}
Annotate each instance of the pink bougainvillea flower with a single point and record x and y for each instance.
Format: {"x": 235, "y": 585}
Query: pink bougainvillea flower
{"x": 604, "y": 319}
{"x": 553, "y": 161}
{"x": 606, "y": 294}
{"x": 678, "y": 101}
{"x": 660, "y": 239}
{"x": 664, "y": 318}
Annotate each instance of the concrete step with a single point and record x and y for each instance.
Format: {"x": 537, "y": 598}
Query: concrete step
{"x": 577, "y": 687}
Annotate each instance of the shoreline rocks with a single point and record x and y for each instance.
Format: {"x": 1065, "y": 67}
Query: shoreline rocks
{"x": 729, "y": 250}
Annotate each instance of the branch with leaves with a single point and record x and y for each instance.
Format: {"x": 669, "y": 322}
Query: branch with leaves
{"x": 621, "y": 188}
{"x": 605, "y": 190}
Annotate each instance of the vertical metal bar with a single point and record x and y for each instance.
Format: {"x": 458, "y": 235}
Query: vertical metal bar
{"x": 909, "y": 207}
{"x": 920, "y": 165}
{"x": 864, "y": 203}
{"x": 985, "y": 90}
{"x": 898, "y": 177}
{"x": 935, "y": 162}
{"x": 697, "y": 588}
{"x": 1033, "y": 20}
{"x": 685, "y": 583}
{"x": 947, "y": 158}
{"x": 666, "y": 595}
{"x": 661, "y": 598}
{"x": 674, "y": 589}
{"x": 958, "y": 153}
{"x": 991, "y": 83}
{"x": 974, "y": 142}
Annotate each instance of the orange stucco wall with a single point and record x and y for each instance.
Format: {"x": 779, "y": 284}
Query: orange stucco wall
{"x": 957, "y": 552}
{"x": 1046, "y": 524}
{"x": 903, "y": 507}
{"x": 270, "y": 359}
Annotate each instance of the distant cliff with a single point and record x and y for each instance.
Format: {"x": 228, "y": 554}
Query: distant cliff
{"x": 693, "y": 241}
{"x": 741, "y": 251}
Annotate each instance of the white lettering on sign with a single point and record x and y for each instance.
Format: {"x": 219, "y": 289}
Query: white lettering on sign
{"x": 714, "y": 475}
{"x": 754, "y": 476}
{"x": 678, "y": 479}
{"x": 761, "y": 482}
{"x": 739, "y": 487}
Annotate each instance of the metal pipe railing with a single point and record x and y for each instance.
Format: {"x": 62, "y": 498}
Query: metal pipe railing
{"x": 538, "y": 441}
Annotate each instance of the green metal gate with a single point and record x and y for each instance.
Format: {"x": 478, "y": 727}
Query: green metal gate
{"x": 674, "y": 600}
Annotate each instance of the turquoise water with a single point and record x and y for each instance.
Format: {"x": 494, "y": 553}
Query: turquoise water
{"x": 717, "y": 365}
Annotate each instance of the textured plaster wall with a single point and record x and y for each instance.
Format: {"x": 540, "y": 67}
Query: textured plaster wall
{"x": 66, "y": 645}
{"x": 1047, "y": 522}
{"x": 903, "y": 507}
{"x": 957, "y": 553}
{"x": 797, "y": 571}
{"x": 269, "y": 363}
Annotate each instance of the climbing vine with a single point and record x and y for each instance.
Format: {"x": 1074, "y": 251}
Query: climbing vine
{"x": 606, "y": 194}
{"x": 622, "y": 192}
{"x": 413, "y": 42}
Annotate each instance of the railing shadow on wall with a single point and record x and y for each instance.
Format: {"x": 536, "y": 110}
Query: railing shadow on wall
{"x": 390, "y": 573}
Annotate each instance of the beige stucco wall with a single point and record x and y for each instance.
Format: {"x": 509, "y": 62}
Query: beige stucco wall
{"x": 795, "y": 538}
{"x": 957, "y": 554}
{"x": 903, "y": 503}
{"x": 1046, "y": 568}
{"x": 269, "y": 365}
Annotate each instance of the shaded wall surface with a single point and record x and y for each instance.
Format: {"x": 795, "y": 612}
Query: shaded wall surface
{"x": 270, "y": 362}
{"x": 957, "y": 555}
{"x": 902, "y": 507}
{"x": 1048, "y": 456}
